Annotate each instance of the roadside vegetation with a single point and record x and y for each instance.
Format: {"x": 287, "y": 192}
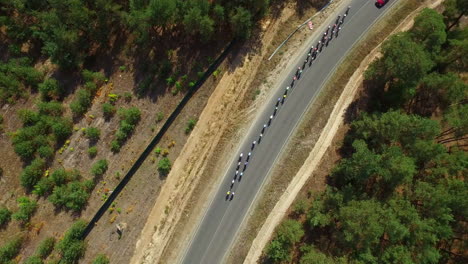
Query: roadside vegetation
{"x": 57, "y": 62}
{"x": 398, "y": 195}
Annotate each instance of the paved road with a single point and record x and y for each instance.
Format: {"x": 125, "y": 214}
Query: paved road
{"x": 223, "y": 218}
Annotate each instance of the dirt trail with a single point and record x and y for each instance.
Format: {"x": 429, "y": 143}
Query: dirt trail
{"x": 328, "y": 133}
{"x": 216, "y": 118}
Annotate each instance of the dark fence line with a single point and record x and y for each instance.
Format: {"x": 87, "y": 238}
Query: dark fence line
{"x": 156, "y": 139}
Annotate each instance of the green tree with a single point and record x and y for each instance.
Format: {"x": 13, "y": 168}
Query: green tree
{"x": 161, "y": 12}
{"x": 454, "y": 10}
{"x": 429, "y": 30}
{"x": 32, "y": 173}
{"x": 196, "y": 22}
{"x": 403, "y": 65}
{"x": 288, "y": 233}
{"x": 26, "y": 209}
{"x": 164, "y": 166}
{"x": 362, "y": 223}
{"x": 241, "y": 23}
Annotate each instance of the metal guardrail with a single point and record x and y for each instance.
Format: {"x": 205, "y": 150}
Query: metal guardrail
{"x": 297, "y": 29}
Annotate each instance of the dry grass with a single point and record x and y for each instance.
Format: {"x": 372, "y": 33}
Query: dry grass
{"x": 309, "y": 130}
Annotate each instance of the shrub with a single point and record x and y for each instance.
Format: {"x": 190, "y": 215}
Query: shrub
{"x": 115, "y": 146}
{"x": 44, "y": 187}
{"x": 93, "y": 133}
{"x": 26, "y": 209}
{"x": 81, "y": 103}
{"x": 73, "y": 195}
{"x": 32, "y": 173}
{"x": 113, "y": 98}
{"x": 159, "y": 116}
{"x": 72, "y": 247}
{"x": 5, "y": 216}
{"x": 59, "y": 177}
{"x": 99, "y": 168}
{"x": 190, "y": 125}
{"x": 50, "y": 89}
{"x": 62, "y": 128}
{"x": 157, "y": 151}
{"x": 132, "y": 115}
{"x": 52, "y": 108}
{"x": 127, "y": 96}
{"x": 91, "y": 87}
{"x": 92, "y": 151}
{"x": 45, "y": 247}
{"x": 101, "y": 259}
{"x": 108, "y": 110}
{"x": 164, "y": 166}
{"x": 10, "y": 250}
{"x": 28, "y": 117}
{"x": 33, "y": 260}
{"x": 45, "y": 152}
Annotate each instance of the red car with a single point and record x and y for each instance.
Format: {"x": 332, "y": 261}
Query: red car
{"x": 380, "y": 3}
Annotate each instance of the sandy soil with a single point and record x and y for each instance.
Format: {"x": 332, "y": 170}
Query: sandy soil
{"x": 223, "y": 114}
{"x": 325, "y": 140}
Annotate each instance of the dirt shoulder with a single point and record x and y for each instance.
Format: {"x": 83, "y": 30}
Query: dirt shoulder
{"x": 329, "y": 134}
{"x": 229, "y": 110}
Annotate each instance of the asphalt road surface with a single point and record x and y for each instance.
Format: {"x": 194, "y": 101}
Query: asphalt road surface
{"x": 221, "y": 221}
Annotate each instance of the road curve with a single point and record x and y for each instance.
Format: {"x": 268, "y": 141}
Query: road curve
{"x": 221, "y": 221}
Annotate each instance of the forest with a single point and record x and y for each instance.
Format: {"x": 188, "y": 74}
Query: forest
{"x": 399, "y": 193}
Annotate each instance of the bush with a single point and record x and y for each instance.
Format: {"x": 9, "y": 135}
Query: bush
{"x": 62, "y": 129}
{"x": 44, "y": 187}
{"x": 93, "y": 133}
{"x": 45, "y": 152}
{"x": 59, "y": 177}
{"x": 5, "y": 216}
{"x": 72, "y": 247}
{"x": 50, "y": 89}
{"x": 131, "y": 115}
{"x": 50, "y": 108}
{"x": 164, "y": 166}
{"x": 115, "y": 146}
{"x": 159, "y": 116}
{"x": 33, "y": 260}
{"x": 73, "y": 195}
{"x": 10, "y": 250}
{"x": 45, "y": 247}
{"x": 82, "y": 102}
{"x": 92, "y": 151}
{"x": 99, "y": 168}
{"x": 127, "y": 96}
{"x": 108, "y": 110}
{"x": 32, "y": 173}
{"x": 26, "y": 209}
{"x": 101, "y": 259}
{"x": 190, "y": 125}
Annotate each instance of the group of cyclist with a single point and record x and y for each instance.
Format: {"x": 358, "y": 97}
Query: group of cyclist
{"x": 331, "y": 31}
